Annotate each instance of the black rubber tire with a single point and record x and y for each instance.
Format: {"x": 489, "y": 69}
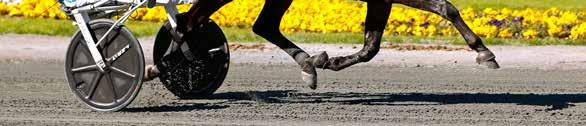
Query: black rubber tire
{"x": 119, "y": 84}
{"x": 204, "y": 74}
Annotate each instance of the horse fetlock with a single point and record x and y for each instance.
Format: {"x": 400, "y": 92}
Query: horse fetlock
{"x": 335, "y": 63}
{"x": 369, "y": 55}
{"x": 488, "y": 59}
{"x": 320, "y": 60}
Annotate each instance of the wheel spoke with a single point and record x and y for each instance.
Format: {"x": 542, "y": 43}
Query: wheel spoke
{"x": 85, "y": 68}
{"x": 214, "y": 50}
{"x": 94, "y": 85}
{"x": 114, "y": 69}
{"x": 114, "y": 93}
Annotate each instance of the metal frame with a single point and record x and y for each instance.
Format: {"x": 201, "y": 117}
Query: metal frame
{"x": 82, "y": 19}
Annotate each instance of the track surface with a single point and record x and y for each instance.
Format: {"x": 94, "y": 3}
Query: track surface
{"x": 34, "y": 92}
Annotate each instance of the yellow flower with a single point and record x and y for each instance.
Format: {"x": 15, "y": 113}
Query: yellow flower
{"x": 568, "y": 18}
{"x": 431, "y": 30}
{"x": 327, "y": 16}
{"x": 578, "y": 32}
{"x": 505, "y": 33}
{"x": 446, "y": 31}
{"x": 402, "y": 30}
{"x": 3, "y": 8}
{"x": 490, "y": 11}
{"x": 554, "y": 30}
{"x": 530, "y": 34}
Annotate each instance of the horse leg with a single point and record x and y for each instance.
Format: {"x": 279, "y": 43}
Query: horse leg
{"x": 267, "y": 26}
{"x": 191, "y": 21}
{"x": 448, "y": 11}
{"x": 200, "y": 12}
{"x": 376, "y": 19}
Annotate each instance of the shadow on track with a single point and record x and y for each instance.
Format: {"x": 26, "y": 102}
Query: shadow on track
{"x": 175, "y": 108}
{"x": 555, "y": 101}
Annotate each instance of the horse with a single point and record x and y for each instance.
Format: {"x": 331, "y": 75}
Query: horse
{"x": 378, "y": 12}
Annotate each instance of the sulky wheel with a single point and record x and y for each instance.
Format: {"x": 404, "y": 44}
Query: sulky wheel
{"x": 199, "y": 76}
{"x": 121, "y": 80}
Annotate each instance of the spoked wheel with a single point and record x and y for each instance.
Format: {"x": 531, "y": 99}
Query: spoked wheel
{"x": 204, "y": 73}
{"x": 121, "y": 80}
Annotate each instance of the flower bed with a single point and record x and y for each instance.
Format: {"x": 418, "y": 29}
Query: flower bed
{"x": 325, "y": 16}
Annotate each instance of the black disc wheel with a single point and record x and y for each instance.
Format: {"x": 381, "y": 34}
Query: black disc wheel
{"x": 118, "y": 84}
{"x": 199, "y": 76}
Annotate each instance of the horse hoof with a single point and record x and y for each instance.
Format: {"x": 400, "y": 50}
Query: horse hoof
{"x": 150, "y": 72}
{"x": 320, "y": 59}
{"x": 310, "y": 79}
{"x": 309, "y": 74}
{"x": 488, "y": 59}
{"x": 492, "y": 64}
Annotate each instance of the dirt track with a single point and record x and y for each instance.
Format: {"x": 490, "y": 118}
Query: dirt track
{"x": 33, "y": 92}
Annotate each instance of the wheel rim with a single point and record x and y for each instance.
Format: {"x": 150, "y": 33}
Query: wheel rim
{"x": 115, "y": 87}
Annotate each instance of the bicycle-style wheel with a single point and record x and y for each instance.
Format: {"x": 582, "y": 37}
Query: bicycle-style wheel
{"x": 116, "y": 86}
{"x": 200, "y": 76}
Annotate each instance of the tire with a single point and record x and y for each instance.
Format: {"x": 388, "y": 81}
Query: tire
{"x": 197, "y": 78}
{"x": 121, "y": 80}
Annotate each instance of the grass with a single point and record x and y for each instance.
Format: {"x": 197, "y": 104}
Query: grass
{"x": 18, "y": 25}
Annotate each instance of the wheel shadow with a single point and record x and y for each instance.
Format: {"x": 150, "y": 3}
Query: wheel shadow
{"x": 175, "y": 108}
{"x": 552, "y": 101}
